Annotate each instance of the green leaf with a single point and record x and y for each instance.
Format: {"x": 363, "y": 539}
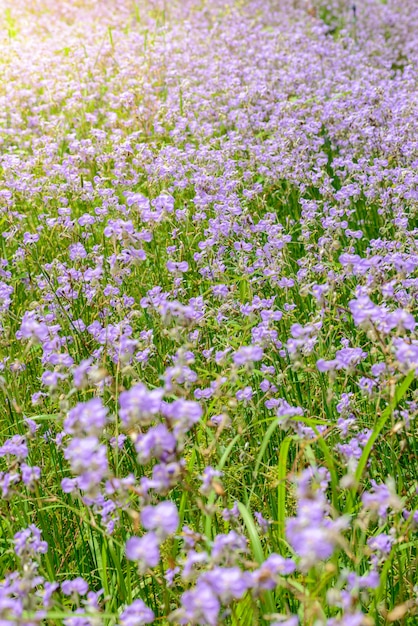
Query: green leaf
{"x": 264, "y": 444}
{"x": 281, "y": 489}
{"x": 399, "y": 394}
{"x": 257, "y": 551}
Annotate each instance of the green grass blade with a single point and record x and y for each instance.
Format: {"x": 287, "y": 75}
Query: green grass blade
{"x": 257, "y": 550}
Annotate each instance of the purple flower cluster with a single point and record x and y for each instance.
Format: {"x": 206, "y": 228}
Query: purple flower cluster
{"x": 208, "y": 305}
{"x": 313, "y": 534}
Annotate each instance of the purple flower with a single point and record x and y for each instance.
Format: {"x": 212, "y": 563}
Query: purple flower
{"x": 220, "y": 291}
{"x": 312, "y": 533}
{"x": 348, "y": 619}
{"x": 77, "y": 585}
{"x": 193, "y": 558}
{"x": 51, "y": 379}
{"x": 7, "y": 481}
{"x": 266, "y": 576}
{"x": 381, "y": 546}
{"x": 381, "y": 498}
{"x": 163, "y": 518}
{"x": 228, "y": 583}
{"x": 247, "y": 354}
{"x": 401, "y": 320}
{"x": 220, "y": 355}
{"x": 182, "y": 415}
{"x": 199, "y": 606}
{"x": 164, "y": 476}
{"x": 136, "y": 614}
{"x": 311, "y": 542}
{"x": 285, "y": 410}
{"x": 208, "y": 477}
{"x": 377, "y": 369}
{"x": 303, "y": 338}
{"x": 262, "y": 522}
{"x": 407, "y": 354}
{"x": 366, "y": 385}
{"x": 68, "y": 485}
{"x": 145, "y": 550}
{"x": 228, "y": 547}
{"x": 30, "y": 238}
{"x": 16, "y": 446}
{"x": 232, "y": 513}
{"x": 369, "y": 580}
{"x": 88, "y": 418}
{"x": 139, "y": 405}
{"x": 28, "y": 542}
{"x": 293, "y": 620}
{"x": 345, "y": 359}
{"x": 364, "y": 310}
{"x": 244, "y": 395}
{"x": 5, "y": 293}
{"x": 88, "y": 459}
{"x": 80, "y": 373}
{"x": 30, "y": 474}
{"x": 170, "y": 575}
{"x": 180, "y": 267}
{"x": 32, "y": 329}
{"x": 77, "y": 251}
{"x": 157, "y": 443}
{"x": 49, "y": 589}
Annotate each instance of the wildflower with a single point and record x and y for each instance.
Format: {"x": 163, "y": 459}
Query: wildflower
{"x": 76, "y": 585}
{"x": 145, "y": 550}
{"x": 182, "y": 415}
{"x": 139, "y": 405}
{"x": 407, "y": 354}
{"x": 180, "y": 267}
{"x": 345, "y": 359}
{"x": 312, "y": 533}
{"x": 136, "y": 614}
{"x": 293, "y": 620}
{"x": 381, "y": 546}
{"x": 266, "y": 576}
{"x": 158, "y": 442}
{"x": 89, "y": 417}
{"x": 244, "y": 395}
{"x": 16, "y": 446}
{"x": 209, "y": 479}
{"x": 30, "y": 475}
{"x": 262, "y": 522}
{"x": 162, "y": 518}
{"x": 28, "y": 542}
{"x": 381, "y": 498}
{"x": 247, "y": 354}
{"x": 199, "y": 606}
{"x": 88, "y": 459}
{"x": 228, "y": 547}
{"x": 228, "y": 583}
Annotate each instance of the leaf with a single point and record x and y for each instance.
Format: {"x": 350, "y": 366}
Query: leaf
{"x": 281, "y": 489}
{"x": 399, "y": 394}
{"x": 257, "y": 550}
{"x": 243, "y": 613}
{"x": 264, "y": 444}
{"x": 211, "y": 499}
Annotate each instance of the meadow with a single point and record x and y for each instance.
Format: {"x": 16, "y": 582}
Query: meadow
{"x": 208, "y": 303}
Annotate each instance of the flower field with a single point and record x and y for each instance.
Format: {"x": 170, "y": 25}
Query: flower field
{"x": 208, "y": 305}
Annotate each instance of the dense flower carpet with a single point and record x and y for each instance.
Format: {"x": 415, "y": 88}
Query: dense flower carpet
{"x": 208, "y": 305}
